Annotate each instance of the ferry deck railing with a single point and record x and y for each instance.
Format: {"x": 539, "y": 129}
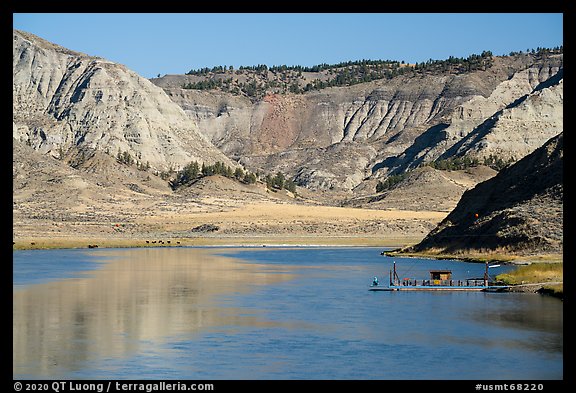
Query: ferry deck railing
{"x": 470, "y": 282}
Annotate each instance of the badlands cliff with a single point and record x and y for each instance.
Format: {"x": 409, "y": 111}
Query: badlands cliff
{"x": 337, "y": 137}
{"x": 77, "y": 117}
{"x": 65, "y": 100}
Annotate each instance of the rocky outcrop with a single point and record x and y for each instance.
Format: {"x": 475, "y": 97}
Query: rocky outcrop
{"x": 385, "y": 126}
{"x": 341, "y": 139}
{"x": 73, "y": 113}
{"x": 519, "y": 210}
{"x": 513, "y": 131}
{"x": 64, "y": 99}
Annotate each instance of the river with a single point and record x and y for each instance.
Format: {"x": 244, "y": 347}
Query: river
{"x": 269, "y": 313}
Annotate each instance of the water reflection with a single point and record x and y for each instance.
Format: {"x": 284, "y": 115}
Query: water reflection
{"x": 529, "y": 311}
{"x": 145, "y": 295}
{"x": 539, "y": 318}
{"x": 286, "y": 314}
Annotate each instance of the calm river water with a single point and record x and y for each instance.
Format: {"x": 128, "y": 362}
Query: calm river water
{"x": 269, "y": 313}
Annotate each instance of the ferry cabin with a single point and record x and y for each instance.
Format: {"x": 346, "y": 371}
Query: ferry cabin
{"x": 440, "y": 275}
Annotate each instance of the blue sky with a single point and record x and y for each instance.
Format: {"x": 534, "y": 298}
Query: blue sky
{"x": 165, "y": 43}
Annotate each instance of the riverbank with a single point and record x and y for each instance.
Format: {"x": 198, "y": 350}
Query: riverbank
{"x": 263, "y": 223}
{"x": 481, "y": 257}
{"x": 545, "y": 278}
{"x": 226, "y": 219}
{"x": 534, "y": 273}
{"x": 221, "y": 241}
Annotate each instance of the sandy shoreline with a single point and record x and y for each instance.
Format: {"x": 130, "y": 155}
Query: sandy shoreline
{"x": 248, "y": 224}
{"x": 228, "y": 241}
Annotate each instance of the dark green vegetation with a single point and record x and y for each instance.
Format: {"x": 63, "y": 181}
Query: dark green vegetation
{"x": 194, "y": 171}
{"x": 448, "y": 164}
{"x": 460, "y": 163}
{"x": 279, "y": 182}
{"x": 389, "y": 182}
{"x": 257, "y": 81}
{"x": 124, "y": 157}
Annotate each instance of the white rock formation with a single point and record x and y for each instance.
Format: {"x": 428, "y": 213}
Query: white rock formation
{"x": 63, "y": 98}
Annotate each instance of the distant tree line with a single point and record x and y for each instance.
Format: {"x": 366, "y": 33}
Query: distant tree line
{"x": 124, "y": 157}
{"x": 473, "y": 62}
{"x": 539, "y": 51}
{"x": 209, "y": 84}
{"x": 257, "y": 68}
{"x": 279, "y": 182}
{"x": 449, "y": 164}
{"x": 390, "y": 182}
{"x": 353, "y": 76}
{"x": 194, "y": 171}
{"x": 298, "y": 68}
{"x": 454, "y": 163}
{"x": 347, "y": 76}
{"x": 215, "y": 70}
{"x": 288, "y": 79}
{"x": 464, "y": 162}
{"x": 324, "y": 66}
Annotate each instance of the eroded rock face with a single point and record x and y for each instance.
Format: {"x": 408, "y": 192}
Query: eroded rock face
{"x": 331, "y": 139}
{"x": 519, "y": 210}
{"x": 513, "y": 131}
{"x": 63, "y": 98}
{"x": 385, "y": 126}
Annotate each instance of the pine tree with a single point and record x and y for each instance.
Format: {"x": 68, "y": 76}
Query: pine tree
{"x": 278, "y": 181}
{"x": 249, "y": 178}
{"x": 269, "y": 181}
{"x": 290, "y": 186}
{"x": 238, "y": 173}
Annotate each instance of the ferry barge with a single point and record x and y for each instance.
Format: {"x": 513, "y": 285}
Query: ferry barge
{"x": 440, "y": 280}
